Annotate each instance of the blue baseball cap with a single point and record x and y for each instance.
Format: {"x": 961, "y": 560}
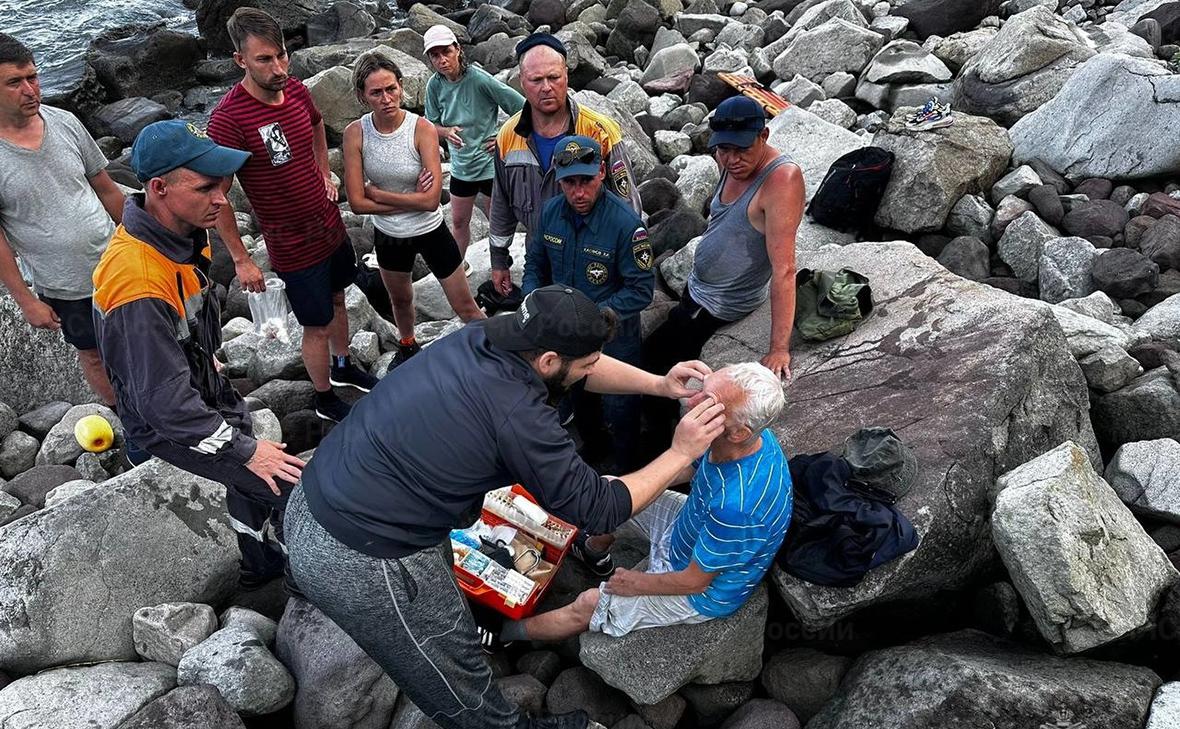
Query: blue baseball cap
{"x": 540, "y": 39}
{"x": 166, "y": 145}
{"x": 737, "y": 122}
{"x": 577, "y": 155}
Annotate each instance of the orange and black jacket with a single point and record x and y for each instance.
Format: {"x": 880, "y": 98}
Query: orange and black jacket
{"x": 158, "y": 325}
{"x": 521, "y": 189}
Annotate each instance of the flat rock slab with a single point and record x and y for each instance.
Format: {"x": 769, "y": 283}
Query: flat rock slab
{"x": 970, "y": 679}
{"x": 188, "y": 707}
{"x": 1087, "y": 571}
{"x": 77, "y": 572}
{"x": 650, "y": 665}
{"x": 88, "y": 697}
{"x": 976, "y": 381}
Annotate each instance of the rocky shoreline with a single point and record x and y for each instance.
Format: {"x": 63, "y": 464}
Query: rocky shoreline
{"x": 1026, "y": 343}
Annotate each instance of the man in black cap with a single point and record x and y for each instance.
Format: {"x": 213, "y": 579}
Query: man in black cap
{"x": 525, "y": 147}
{"x": 368, "y": 529}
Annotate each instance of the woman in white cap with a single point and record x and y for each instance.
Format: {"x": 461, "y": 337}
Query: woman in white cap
{"x": 463, "y": 103}
{"x": 385, "y": 151}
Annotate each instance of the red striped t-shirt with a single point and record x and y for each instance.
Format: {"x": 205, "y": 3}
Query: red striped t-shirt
{"x": 301, "y": 226}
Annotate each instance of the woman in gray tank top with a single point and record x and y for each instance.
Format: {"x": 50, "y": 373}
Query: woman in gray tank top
{"x": 385, "y": 152}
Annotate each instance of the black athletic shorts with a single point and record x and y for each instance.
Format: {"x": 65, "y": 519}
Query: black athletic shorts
{"x": 467, "y": 188}
{"x": 438, "y": 249}
{"x": 310, "y": 290}
{"x": 77, "y": 321}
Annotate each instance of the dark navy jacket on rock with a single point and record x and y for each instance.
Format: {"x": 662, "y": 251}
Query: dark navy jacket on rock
{"x": 415, "y": 456}
{"x": 606, "y": 256}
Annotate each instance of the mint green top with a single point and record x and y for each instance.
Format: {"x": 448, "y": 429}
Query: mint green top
{"x": 470, "y": 103}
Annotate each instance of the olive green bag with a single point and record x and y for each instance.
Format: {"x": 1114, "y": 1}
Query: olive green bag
{"x": 830, "y": 304}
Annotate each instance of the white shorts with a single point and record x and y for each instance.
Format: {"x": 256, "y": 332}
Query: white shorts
{"x": 616, "y": 615}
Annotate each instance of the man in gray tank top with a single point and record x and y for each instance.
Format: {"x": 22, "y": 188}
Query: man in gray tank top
{"x": 746, "y": 253}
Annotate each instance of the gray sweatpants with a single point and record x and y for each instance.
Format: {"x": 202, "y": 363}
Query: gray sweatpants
{"x": 408, "y": 615}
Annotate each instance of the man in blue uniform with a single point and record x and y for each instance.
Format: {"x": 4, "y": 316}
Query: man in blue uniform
{"x": 590, "y": 239}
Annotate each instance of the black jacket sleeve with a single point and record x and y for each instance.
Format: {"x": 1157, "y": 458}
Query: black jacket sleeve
{"x": 140, "y": 349}
{"x": 539, "y": 454}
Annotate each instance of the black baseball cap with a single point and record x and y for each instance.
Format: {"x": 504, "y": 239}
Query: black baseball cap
{"x": 737, "y": 121}
{"x": 554, "y": 319}
{"x": 540, "y": 39}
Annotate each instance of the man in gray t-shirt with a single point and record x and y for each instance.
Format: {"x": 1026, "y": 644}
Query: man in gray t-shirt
{"x": 58, "y": 209}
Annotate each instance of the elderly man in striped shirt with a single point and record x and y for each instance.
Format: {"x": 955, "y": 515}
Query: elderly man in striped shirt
{"x": 709, "y": 548}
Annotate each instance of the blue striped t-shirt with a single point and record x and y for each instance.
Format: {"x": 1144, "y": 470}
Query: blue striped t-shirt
{"x": 733, "y": 523}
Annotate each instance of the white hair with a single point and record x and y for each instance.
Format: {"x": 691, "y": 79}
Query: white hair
{"x": 764, "y": 394}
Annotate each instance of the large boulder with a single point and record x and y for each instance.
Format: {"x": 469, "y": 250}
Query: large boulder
{"x": 166, "y": 632}
{"x": 291, "y": 15}
{"x": 188, "y": 707}
{"x": 635, "y": 141}
{"x": 144, "y": 60}
{"x": 970, "y": 678}
{"x": 1065, "y": 269}
{"x": 1128, "y": 140}
{"x": 903, "y": 61}
{"x": 943, "y": 17}
{"x": 236, "y": 662}
{"x": 307, "y": 62}
{"x": 651, "y": 665}
{"x": 933, "y": 169}
{"x": 976, "y": 381}
{"x": 76, "y": 572}
{"x": 87, "y": 697}
{"x": 835, "y": 46}
{"x": 1160, "y": 323}
{"x": 1146, "y": 409}
{"x": 126, "y": 118}
{"x": 1145, "y": 474}
{"x": 1087, "y": 570}
{"x": 1023, "y": 67}
{"x": 335, "y": 97}
{"x": 338, "y": 684}
{"x": 341, "y": 21}
{"x": 490, "y": 19}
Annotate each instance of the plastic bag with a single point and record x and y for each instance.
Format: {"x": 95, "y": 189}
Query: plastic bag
{"x": 269, "y": 310}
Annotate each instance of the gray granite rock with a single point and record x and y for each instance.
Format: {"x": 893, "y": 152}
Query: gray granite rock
{"x": 32, "y": 486}
{"x": 165, "y": 632}
{"x": 1109, "y": 369}
{"x": 188, "y": 707}
{"x": 966, "y": 256}
{"x": 970, "y": 677}
{"x": 1145, "y": 474}
{"x": 67, "y": 490}
{"x": 339, "y": 685}
{"x": 1161, "y": 323}
{"x": 1165, "y": 707}
{"x": 61, "y": 446}
{"x": 993, "y": 361}
{"x": 1065, "y": 267}
{"x": 237, "y": 664}
{"x": 970, "y": 155}
{"x": 581, "y": 688}
{"x": 1087, "y": 571}
{"x": 1017, "y": 182}
{"x": 971, "y": 216}
{"x": 762, "y": 714}
{"x": 1146, "y": 409}
{"x": 804, "y": 679}
{"x": 1023, "y": 244}
{"x": 86, "y": 552}
{"x": 86, "y": 697}
{"x": 836, "y": 45}
{"x": 650, "y": 665}
{"x": 904, "y": 61}
{"x": 37, "y": 367}
{"x": 253, "y": 621}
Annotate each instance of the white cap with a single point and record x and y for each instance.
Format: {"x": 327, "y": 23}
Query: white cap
{"x": 438, "y": 35}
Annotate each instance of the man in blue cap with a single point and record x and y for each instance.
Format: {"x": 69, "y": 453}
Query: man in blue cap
{"x": 158, "y": 323}
{"x": 746, "y": 253}
{"x": 589, "y": 238}
{"x": 527, "y": 142}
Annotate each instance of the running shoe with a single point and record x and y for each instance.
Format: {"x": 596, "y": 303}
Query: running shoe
{"x": 924, "y": 111}
{"x": 329, "y": 406}
{"x": 936, "y": 121}
{"x": 404, "y": 352}
{"x": 600, "y": 563}
{"x": 352, "y": 376}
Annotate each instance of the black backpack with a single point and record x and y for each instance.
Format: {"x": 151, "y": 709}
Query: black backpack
{"x": 848, "y": 197}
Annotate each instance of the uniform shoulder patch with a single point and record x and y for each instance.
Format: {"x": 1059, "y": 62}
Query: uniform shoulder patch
{"x": 618, "y": 173}
{"x": 641, "y": 249}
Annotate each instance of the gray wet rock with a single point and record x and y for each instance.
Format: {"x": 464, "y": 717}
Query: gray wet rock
{"x": 1087, "y": 570}
{"x": 1109, "y": 369}
{"x": 165, "y": 632}
{"x": 969, "y": 677}
{"x": 338, "y": 684}
{"x": 992, "y": 362}
{"x": 238, "y": 664}
{"x": 1145, "y": 474}
{"x": 650, "y": 665}
{"x": 85, "y": 697}
{"x": 86, "y": 552}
